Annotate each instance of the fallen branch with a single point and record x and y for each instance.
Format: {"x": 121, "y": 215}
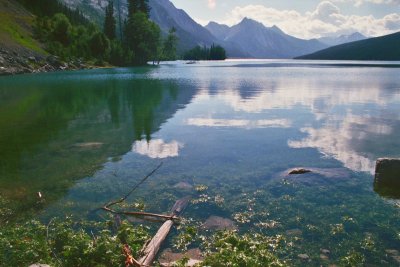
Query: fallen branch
{"x": 151, "y": 249}
{"x": 133, "y": 189}
{"x": 142, "y": 214}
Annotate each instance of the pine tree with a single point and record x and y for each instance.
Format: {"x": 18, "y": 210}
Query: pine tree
{"x": 169, "y": 45}
{"x": 135, "y": 6}
{"x": 110, "y": 22}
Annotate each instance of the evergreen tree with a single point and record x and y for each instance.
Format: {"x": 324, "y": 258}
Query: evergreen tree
{"x": 142, "y": 37}
{"x": 99, "y": 45}
{"x": 61, "y": 28}
{"x": 110, "y": 22}
{"x": 169, "y": 45}
{"x": 135, "y": 6}
{"x": 215, "y": 52}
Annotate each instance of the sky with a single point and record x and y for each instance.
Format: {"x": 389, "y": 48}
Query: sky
{"x": 302, "y": 18}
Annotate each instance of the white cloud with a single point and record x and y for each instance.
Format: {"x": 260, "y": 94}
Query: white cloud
{"x": 358, "y": 3}
{"x": 327, "y": 19}
{"x": 211, "y": 4}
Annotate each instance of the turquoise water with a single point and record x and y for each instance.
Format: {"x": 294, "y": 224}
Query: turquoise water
{"x": 84, "y": 138}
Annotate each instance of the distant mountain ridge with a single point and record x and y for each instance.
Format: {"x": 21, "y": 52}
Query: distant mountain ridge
{"x": 342, "y": 39}
{"x": 248, "y": 39}
{"x": 378, "y": 48}
{"x": 263, "y": 42}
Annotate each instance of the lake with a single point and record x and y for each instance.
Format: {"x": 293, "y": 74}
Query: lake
{"x": 227, "y": 133}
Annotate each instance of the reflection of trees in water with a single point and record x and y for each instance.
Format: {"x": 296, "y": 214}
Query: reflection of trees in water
{"x": 42, "y": 123}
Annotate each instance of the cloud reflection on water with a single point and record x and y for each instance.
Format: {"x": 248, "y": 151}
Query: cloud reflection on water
{"x": 353, "y": 118}
{"x": 248, "y": 124}
{"x": 157, "y": 148}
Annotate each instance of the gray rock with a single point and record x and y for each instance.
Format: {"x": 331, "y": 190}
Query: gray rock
{"x": 218, "y": 223}
{"x": 303, "y": 257}
{"x": 299, "y": 171}
{"x": 315, "y": 176}
{"x": 294, "y": 232}
{"x": 387, "y": 177}
{"x": 183, "y": 186}
{"x": 323, "y": 257}
{"x": 169, "y": 258}
{"x": 39, "y": 265}
{"x": 325, "y": 251}
{"x": 54, "y": 61}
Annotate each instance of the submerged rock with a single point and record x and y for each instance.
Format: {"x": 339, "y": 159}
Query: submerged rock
{"x": 39, "y": 265}
{"x": 183, "y": 185}
{"x": 392, "y": 252}
{"x": 303, "y": 257}
{"x": 299, "y": 171}
{"x": 315, "y": 175}
{"x": 218, "y": 223}
{"x": 325, "y": 251}
{"x": 387, "y": 177}
{"x": 89, "y": 145}
{"x": 169, "y": 258}
{"x": 323, "y": 257}
{"x": 294, "y": 232}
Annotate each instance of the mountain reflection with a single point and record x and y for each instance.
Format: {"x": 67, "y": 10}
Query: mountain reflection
{"x": 49, "y": 127}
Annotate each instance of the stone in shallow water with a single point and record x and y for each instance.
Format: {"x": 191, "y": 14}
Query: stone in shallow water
{"x": 303, "y": 257}
{"x": 294, "y": 232}
{"x": 39, "y": 265}
{"x": 299, "y": 171}
{"x": 325, "y": 251}
{"x": 312, "y": 176}
{"x": 392, "y": 252}
{"x": 89, "y": 145}
{"x": 387, "y": 177}
{"x": 218, "y": 223}
{"x": 323, "y": 257}
{"x": 183, "y": 185}
{"x": 396, "y": 259}
{"x": 168, "y": 258}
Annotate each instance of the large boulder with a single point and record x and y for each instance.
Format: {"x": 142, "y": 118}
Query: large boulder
{"x": 387, "y": 177}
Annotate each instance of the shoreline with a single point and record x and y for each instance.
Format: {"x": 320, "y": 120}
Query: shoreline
{"x": 14, "y": 63}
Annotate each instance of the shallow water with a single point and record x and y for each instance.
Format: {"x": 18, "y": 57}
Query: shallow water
{"x": 84, "y": 138}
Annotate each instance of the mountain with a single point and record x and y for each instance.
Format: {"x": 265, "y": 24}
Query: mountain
{"x": 342, "y": 39}
{"x": 190, "y": 33}
{"x": 248, "y": 39}
{"x": 263, "y": 42}
{"x": 220, "y": 31}
{"x": 378, "y": 48}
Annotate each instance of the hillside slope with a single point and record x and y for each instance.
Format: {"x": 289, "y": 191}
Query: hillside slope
{"x": 379, "y": 48}
{"x": 19, "y": 51}
{"x": 16, "y": 29}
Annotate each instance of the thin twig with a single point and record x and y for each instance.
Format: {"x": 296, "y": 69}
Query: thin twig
{"x": 133, "y": 188}
{"x": 142, "y": 214}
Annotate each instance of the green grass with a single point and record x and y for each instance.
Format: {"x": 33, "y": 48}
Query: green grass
{"x": 12, "y": 32}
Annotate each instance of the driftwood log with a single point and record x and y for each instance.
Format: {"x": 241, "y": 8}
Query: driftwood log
{"x": 151, "y": 249}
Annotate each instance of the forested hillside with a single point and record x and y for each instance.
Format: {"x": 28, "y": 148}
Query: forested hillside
{"x": 379, "y": 48}
{"x": 35, "y": 29}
